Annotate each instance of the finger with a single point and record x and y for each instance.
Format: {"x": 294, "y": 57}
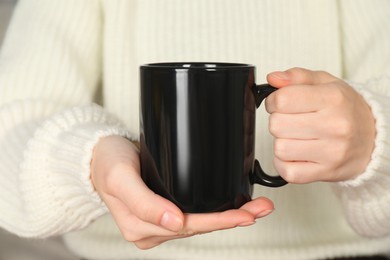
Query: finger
{"x": 301, "y": 172}
{"x": 151, "y": 242}
{"x": 290, "y": 150}
{"x": 306, "y": 126}
{"x": 131, "y": 227}
{"x": 299, "y": 76}
{"x": 120, "y": 178}
{"x": 296, "y": 99}
{"x": 259, "y": 207}
{"x": 144, "y": 203}
{"x": 209, "y": 222}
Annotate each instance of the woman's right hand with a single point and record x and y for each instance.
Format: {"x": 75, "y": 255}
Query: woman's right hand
{"x": 144, "y": 217}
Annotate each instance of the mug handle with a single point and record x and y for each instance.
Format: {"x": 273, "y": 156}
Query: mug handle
{"x": 258, "y": 175}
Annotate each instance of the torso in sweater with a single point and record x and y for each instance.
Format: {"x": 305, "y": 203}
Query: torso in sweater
{"x": 56, "y": 62}
{"x": 273, "y": 35}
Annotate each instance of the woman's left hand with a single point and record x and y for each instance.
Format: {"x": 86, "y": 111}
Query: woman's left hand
{"x": 324, "y": 130}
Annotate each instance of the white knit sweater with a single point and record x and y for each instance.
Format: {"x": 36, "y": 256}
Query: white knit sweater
{"x": 60, "y": 57}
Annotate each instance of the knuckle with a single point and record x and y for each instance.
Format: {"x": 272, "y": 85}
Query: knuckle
{"x": 144, "y": 245}
{"x": 131, "y": 237}
{"x": 291, "y": 176}
{"x": 297, "y": 70}
{"x": 148, "y": 243}
{"x": 280, "y": 100}
{"x": 300, "y": 74}
{"x": 336, "y": 94}
{"x": 280, "y": 148}
{"x": 274, "y": 124}
{"x": 150, "y": 212}
{"x": 344, "y": 128}
{"x": 324, "y": 74}
{"x": 143, "y": 210}
{"x": 111, "y": 179}
{"x": 285, "y": 171}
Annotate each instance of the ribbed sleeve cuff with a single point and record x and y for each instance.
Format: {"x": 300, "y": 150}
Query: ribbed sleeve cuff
{"x": 55, "y": 178}
{"x": 366, "y": 199}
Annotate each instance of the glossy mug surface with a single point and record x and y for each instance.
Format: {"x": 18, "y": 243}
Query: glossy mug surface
{"x": 197, "y": 133}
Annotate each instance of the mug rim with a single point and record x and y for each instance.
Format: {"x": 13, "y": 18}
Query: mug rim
{"x": 196, "y": 65}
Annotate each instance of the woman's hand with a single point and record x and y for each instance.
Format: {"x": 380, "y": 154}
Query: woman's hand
{"x": 144, "y": 217}
{"x": 324, "y": 130}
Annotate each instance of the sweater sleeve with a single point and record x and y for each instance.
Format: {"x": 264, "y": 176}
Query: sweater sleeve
{"x": 366, "y": 38}
{"x": 49, "y": 74}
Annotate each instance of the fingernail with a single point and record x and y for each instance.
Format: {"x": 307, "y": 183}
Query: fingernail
{"x": 281, "y": 75}
{"x": 171, "y": 221}
{"x": 245, "y": 224}
{"x": 264, "y": 213}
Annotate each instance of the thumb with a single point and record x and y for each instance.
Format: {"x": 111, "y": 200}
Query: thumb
{"x": 151, "y": 207}
{"x": 115, "y": 172}
{"x": 299, "y": 76}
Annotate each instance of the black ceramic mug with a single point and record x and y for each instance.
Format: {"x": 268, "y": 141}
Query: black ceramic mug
{"x": 197, "y": 133}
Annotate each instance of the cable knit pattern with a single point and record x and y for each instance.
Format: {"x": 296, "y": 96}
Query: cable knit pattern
{"x": 61, "y": 57}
